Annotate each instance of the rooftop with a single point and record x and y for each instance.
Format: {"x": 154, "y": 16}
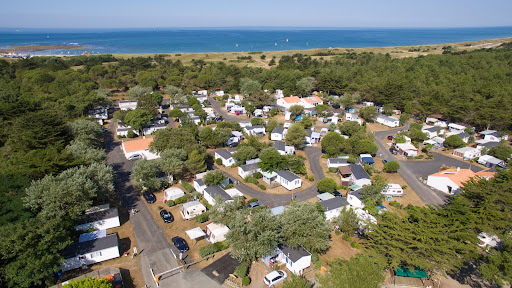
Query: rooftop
{"x": 456, "y": 176}
{"x": 358, "y": 171}
{"x": 291, "y": 99}
{"x": 224, "y": 153}
{"x": 137, "y": 145}
{"x": 87, "y": 247}
{"x": 294, "y": 254}
{"x": 312, "y": 99}
{"x": 215, "y": 191}
{"x": 278, "y": 130}
{"x": 288, "y": 175}
{"x": 97, "y": 216}
{"x": 334, "y": 203}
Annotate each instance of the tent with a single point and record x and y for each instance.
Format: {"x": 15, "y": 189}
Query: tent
{"x": 416, "y": 273}
{"x": 195, "y": 234}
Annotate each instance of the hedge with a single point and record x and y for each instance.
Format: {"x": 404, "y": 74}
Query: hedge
{"x": 252, "y": 200}
{"x": 170, "y": 203}
{"x": 246, "y": 281}
{"x": 241, "y": 270}
{"x": 262, "y": 187}
{"x": 202, "y": 217}
{"x": 187, "y": 187}
{"x": 212, "y": 249}
{"x": 182, "y": 199}
{"x": 257, "y": 175}
{"x": 218, "y": 161}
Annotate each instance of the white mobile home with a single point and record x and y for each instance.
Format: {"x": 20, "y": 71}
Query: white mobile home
{"x": 333, "y": 207}
{"x": 278, "y": 134}
{"x": 90, "y": 252}
{"x": 288, "y": 179}
{"x": 191, "y": 209}
{"x": 225, "y": 156}
{"x": 388, "y": 121}
{"x": 393, "y": 190}
{"x": 296, "y": 259}
{"x": 128, "y": 105}
{"x": 173, "y": 193}
{"x": 248, "y": 169}
{"x": 216, "y": 232}
{"x": 100, "y": 220}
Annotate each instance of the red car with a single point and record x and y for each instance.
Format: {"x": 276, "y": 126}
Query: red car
{"x": 390, "y": 137}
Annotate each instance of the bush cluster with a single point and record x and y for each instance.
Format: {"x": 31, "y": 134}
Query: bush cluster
{"x": 170, "y": 203}
{"x": 262, "y": 187}
{"x": 246, "y": 281}
{"x": 241, "y": 270}
{"x": 187, "y": 187}
{"x": 311, "y": 178}
{"x": 212, "y": 249}
{"x": 202, "y": 217}
{"x": 182, "y": 199}
{"x": 218, "y": 161}
{"x": 251, "y": 179}
{"x": 257, "y": 175}
{"x": 346, "y": 238}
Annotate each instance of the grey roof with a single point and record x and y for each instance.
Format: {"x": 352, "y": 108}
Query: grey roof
{"x": 279, "y": 145}
{"x": 125, "y": 129}
{"x": 494, "y": 160}
{"x": 287, "y": 175}
{"x": 224, "y": 153}
{"x": 294, "y": 254}
{"x": 199, "y": 182}
{"x": 356, "y": 194}
{"x": 97, "y": 216}
{"x": 464, "y": 135}
{"x": 278, "y": 130}
{"x": 431, "y": 129}
{"x": 337, "y": 160}
{"x": 308, "y": 133}
{"x": 489, "y": 132}
{"x": 215, "y": 191}
{"x": 250, "y": 167}
{"x": 334, "y": 203}
{"x": 389, "y": 118}
{"x": 276, "y": 210}
{"x": 91, "y": 246}
{"x": 489, "y": 144}
{"x": 255, "y": 127}
{"x": 190, "y": 204}
{"x": 358, "y": 171}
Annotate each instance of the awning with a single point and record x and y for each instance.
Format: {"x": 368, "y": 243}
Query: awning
{"x": 354, "y": 187}
{"x": 416, "y": 273}
{"x": 195, "y": 233}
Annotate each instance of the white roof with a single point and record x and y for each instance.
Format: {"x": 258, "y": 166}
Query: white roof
{"x": 394, "y": 186}
{"x": 195, "y": 233}
{"x": 173, "y": 192}
{"x": 92, "y": 235}
{"x": 456, "y": 126}
{"x": 217, "y": 229}
{"x": 406, "y": 146}
{"x": 465, "y": 149}
{"x": 234, "y": 192}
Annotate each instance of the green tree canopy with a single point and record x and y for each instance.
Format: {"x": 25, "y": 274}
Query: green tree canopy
{"x": 171, "y": 161}
{"x": 350, "y": 128}
{"x": 175, "y": 113}
{"x": 271, "y": 160}
{"x": 214, "y": 177}
{"x": 296, "y": 135}
{"x": 305, "y": 85}
{"x": 303, "y": 225}
{"x": 326, "y": 185}
{"x": 391, "y": 167}
{"x": 244, "y": 153}
{"x": 347, "y": 274}
{"x": 214, "y": 138}
{"x": 347, "y": 222}
{"x": 174, "y": 137}
{"x": 332, "y": 143}
{"x": 501, "y": 151}
{"x": 145, "y": 173}
{"x": 296, "y": 109}
{"x": 371, "y": 194}
{"x": 249, "y": 86}
{"x": 87, "y": 132}
{"x": 196, "y": 162}
{"x": 454, "y": 141}
{"x": 368, "y": 113}
{"x": 138, "y": 91}
{"x": 138, "y": 118}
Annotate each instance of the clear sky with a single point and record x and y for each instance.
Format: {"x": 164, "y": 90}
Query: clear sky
{"x": 236, "y": 13}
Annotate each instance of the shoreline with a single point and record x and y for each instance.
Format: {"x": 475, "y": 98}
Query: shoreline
{"x": 316, "y": 53}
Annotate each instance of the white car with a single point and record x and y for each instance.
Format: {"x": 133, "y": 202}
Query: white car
{"x": 135, "y": 157}
{"x": 275, "y": 277}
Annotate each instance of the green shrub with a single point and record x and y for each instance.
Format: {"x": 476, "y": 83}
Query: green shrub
{"x": 131, "y": 134}
{"x": 262, "y": 187}
{"x": 314, "y": 257}
{"x": 241, "y": 270}
{"x": 187, "y": 187}
{"x": 392, "y": 203}
{"x": 218, "y": 161}
{"x": 311, "y": 178}
{"x": 252, "y": 200}
{"x": 212, "y": 248}
{"x": 177, "y": 54}
{"x": 257, "y": 175}
{"x": 251, "y": 179}
{"x": 246, "y": 281}
{"x": 183, "y": 199}
{"x": 202, "y": 217}
{"x": 404, "y": 187}
{"x": 346, "y": 238}
{"x": 356, "y": 245}
{"x": 230, "y": 185}
{"x": 337, "y": 232}
{"x": 318, "y": 265}
{"x": 325, "y": 156}
{"x": 170, "y": 203}
{"x": 160, "y": 207}
{"x": 164, "y": 185}
{"x": 333, "y": 170}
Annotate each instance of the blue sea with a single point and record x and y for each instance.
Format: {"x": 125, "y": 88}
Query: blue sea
{"x": 168, "y": 40}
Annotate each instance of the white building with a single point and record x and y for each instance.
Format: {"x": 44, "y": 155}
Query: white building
{"x": 486, "y": 239}
{"x": 368, "y": 104}
{"x": 100, "y": 220}
{"x": 388, "y": 121}
{"x": 284, "y": 149}
{"x": 139, "y": 147}
{"x": 278, "y": 134}
{"x": 214, "y": 192}
{"x": 354, "y": 200}
{"x": 393, "y": 190}
{"x": 279, "y": 94}
{"x": 122, "y": 130}
{"x": 306, "y": 102}
{"x": 456, "y": 127}
{"x": 493, "y": 136}
{"x": 312, "y": 137}
{"x": 467, "y": 153}
{"x": 432, "y": 131}
{"x": 248, "y": 169}
{"x": 154, "y": 127}
{"x": 258, "y": 130}
{"x": 225, "y": 156}
{"x": 218, "y": 93}
{"x": 333, "y": 207}
{"x": 288, "y": 179}
{"x": 216, "y": 232}
{"x": 90, "y": 252}
{"x": 128, "y": 105}
{"x": 296, "y": 259}
{"x": 359, "y": 176}
{"x": 353, "y": 117}
{"x": 407, "y": 149}
{"x": 173, "y": 193}
{"x": 337, "y": 162}
{"x": 191, "y": 209}
{"x": 450, "y": 180}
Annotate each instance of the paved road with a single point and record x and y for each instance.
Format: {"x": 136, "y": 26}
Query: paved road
{"x": 227, "y": 117}
{"x": 152, "y": 242}
{"x": 274, "y": 200}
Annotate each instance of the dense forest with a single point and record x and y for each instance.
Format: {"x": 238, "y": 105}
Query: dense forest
{"x": 49, "y": 151}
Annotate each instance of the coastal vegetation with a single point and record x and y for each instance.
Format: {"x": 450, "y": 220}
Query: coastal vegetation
{"x": 53, "y": 166}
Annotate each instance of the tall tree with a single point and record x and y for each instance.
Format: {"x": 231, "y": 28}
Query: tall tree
{"x": 303, "y": 225}
{"x": 249, "y": 86}
{"x": 144, "y": 174}
{"x": 138, "y": 118}
{"x": 296, "y": 135}
{"x": 244, "y": 153}
{"x": 271, "y": 160}
{"x": 137, "y": 91}
{"x": 171, "y": 161}
{"x": 332, "y": 143}
{"x": 195, "y": 163}
{"x": 305, "y": 85}
{"x": 174, "y": 137}
{"x": 214, "y": 177}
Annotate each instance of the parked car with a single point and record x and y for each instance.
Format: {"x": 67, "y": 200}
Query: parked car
{"x": 275, "y": 277}
{"x": 393, "y": 150}
{"x": 149, "y": 197}
{"x": 180, "y": 244}
{"x": 385, "y": 161}
{"x": 390, "y": 137}
{"x": 254, "y": 204}
{"x": 166, "y": 216}
{"x": 220, "y": 119}
{"x": 135, "y": 157}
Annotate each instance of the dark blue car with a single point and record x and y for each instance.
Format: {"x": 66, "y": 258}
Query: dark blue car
{"x": 180, "y": 244}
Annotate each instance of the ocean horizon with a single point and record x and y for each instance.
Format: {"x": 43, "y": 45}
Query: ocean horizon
{"x": 235, "y": 39}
